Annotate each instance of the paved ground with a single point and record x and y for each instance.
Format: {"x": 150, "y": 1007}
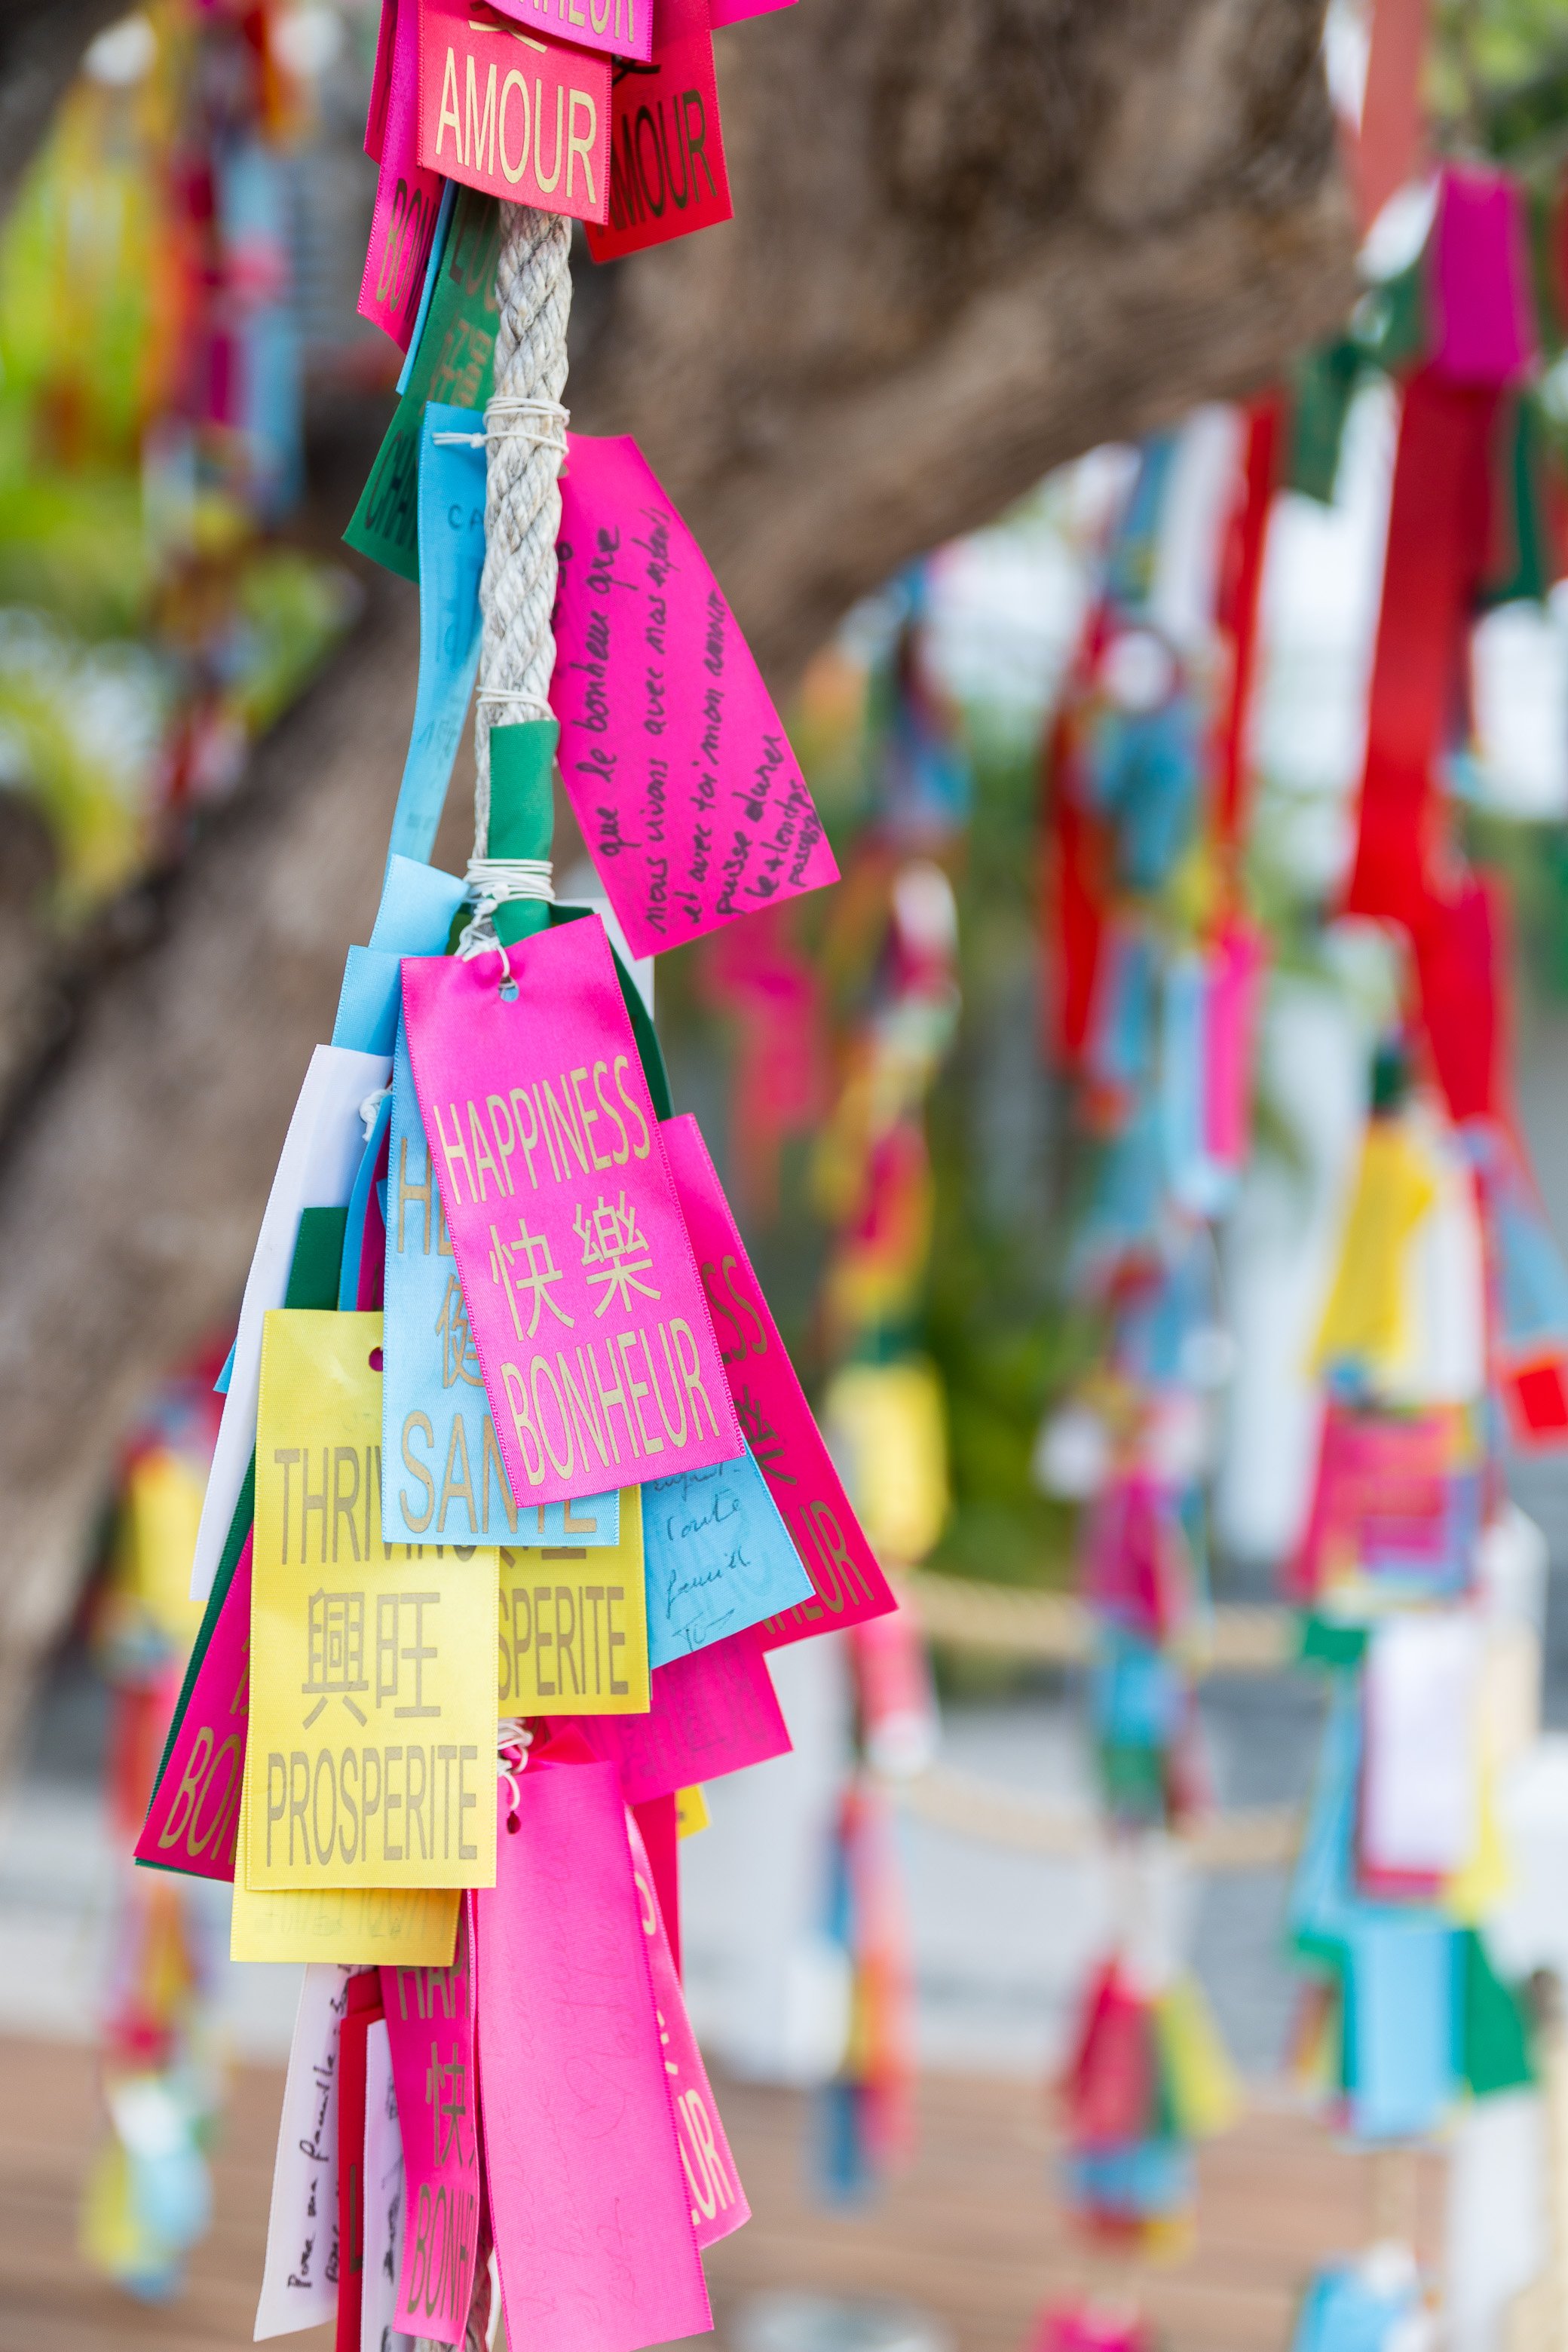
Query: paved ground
{"x": 970, "y": 2234}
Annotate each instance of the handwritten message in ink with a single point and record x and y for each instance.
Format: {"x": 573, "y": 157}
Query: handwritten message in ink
{"x": 719, "y": 1558}
{"x": 679, "y": 774}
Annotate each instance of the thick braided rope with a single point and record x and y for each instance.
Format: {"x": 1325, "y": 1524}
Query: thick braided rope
{"x": 522, "y": 503}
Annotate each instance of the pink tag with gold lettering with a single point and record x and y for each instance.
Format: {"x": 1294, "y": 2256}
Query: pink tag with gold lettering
{"x": 621, "y": 28}
{"x": 523, "y": 119}
{"x": 592, "y": 1334}
{"x": 587, "y": 2195}
{"x": 773, "y": 1410}
{"x": 692, "y": 805}
{"x": 713, "y": 1712}
{"x": 194, "y": 1813}
{"x": 430, "y": 2028}
{"x": 407, "y": 197}
{"x": 718, "y": 2200}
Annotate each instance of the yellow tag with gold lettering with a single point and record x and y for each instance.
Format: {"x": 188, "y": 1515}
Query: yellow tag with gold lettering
{"x": 372, "y": 1665}
{"x": 573, "y": 1624}
{"x": 356, "y": 1927}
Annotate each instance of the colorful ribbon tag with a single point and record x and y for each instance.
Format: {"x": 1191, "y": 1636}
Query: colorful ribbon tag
{"x": 451, "y": 499}
{"x": 452, "y": 360}
{"x": 192, "y": 1819}
{"x": 711, "y": 1713}
{"x": 621, "y": 28}
{"x": 356, "y": 1927}
{"x": 667, "y": 175}
{"x": 599, "y": 1358}
{"x": 383, "y": 2199}
{"x": 407, "y": 197}
{"x": 430, "y": 2024}
{"x": 300, "y": 2283}
{"x": 373, "y": 1667}
{"x": 523, "y": 119}
{"x": 443, "y": 1477}
{"x": 719, "y": 1558}
{"x": 588, "y": 2199}
{"x": 848, "y": 1585}
{"x": 380, "y": 82}
{"x": 692, "y": 805}
{"x": 735, "y": 12}
{"x": 317, "y": 1168}
{"x": 718, "y": 2200}
{"x": 573, "y": 1626}
{"x": 364, "y": 2010}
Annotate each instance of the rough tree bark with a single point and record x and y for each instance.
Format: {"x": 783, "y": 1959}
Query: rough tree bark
{"x": 971, "y": 241}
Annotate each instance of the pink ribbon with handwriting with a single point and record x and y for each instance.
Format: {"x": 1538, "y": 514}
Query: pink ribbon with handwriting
{"x": 718, "y": 2200}
{"x": 773, "y": 1410}
{"x": 692, "y": 805}
{"x": 194, "y": 1813}
{"x": 407, "y": 197}
{"x": 430, "y": 2030}
{"x": 587, "y": 2193}
{"x": 711, "y": 1713}
{"x": 592, "y": 1333}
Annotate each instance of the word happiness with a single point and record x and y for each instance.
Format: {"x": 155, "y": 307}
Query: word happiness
{"x": 529, "y": 1117}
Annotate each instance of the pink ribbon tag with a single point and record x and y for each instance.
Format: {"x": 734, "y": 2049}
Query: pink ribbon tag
{"x": 676, "y": 765}
{"x": 588, "y": 2198}
{"x": 407, "y": 197}
{"x": 773, "y": 1410}
{"x": 713, "y": 1712}
{"x": 1485, "y": 330}
{"x": 735, "y": 12}
{"x": 592, "y": 1334}
{"x": 668, "y": 176}
{"x": 718, "y": 2200}
{"x": 430, "y": 2028}
{"x": 1231, "y": 1009}
{"x": 380, "y": 82}
{"x": 523, "y": 119}
{"x": 194, "y": 1813}
{"x": 621, "y": 28}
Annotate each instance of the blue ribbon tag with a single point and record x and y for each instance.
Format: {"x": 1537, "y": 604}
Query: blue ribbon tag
{"x": 451, "y": 557}
{"x": 442, "y": 1477}
{"x": 417, "y": 904}
{"x": 718, "y": 1557}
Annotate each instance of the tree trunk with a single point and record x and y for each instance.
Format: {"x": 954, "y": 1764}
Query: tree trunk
{"x": 970, "y": 242}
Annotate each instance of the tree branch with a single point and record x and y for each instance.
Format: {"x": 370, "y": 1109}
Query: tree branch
{"x": 969, "y": 244}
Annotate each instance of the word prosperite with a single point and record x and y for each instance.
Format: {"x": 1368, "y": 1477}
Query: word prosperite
{"x": 395, "y": 1807}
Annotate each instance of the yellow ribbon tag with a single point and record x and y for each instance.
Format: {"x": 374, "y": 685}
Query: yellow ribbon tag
{"x": 1368, "y": 1318}
{"x": 372, "y": 1665}
{"x": 574, "y": 1625}
{"x": 357, "y": 1926}
{"x": 690, "y": 1811}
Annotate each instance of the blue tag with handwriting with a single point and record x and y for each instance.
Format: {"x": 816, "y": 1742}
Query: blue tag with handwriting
{"x": 718, "y": 1557}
